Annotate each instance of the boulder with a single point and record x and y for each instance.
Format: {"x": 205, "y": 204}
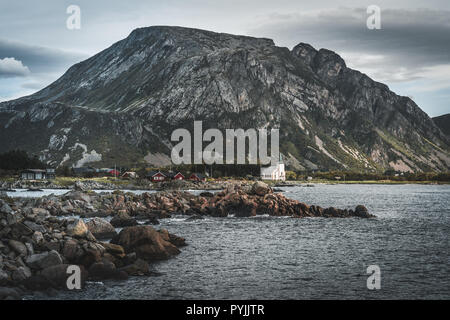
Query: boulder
{"x": 44, "y": 260}
{"x": 79, "y": 186}
{"x": 3, "y": 276}
{"x": 21, "y": 229}
{"x": 113, "y": 249}
{"x": 122, "y": 219}
{"x": 10, "y": 293}
{"x": 101, "y": 229}
{"x": 361, "y": 211}
{"x": 35, "y": 227}
{"x": 40, "y": 213}
{"x": 146, "y": 242}
{"x": 57, "y": 275}
{"x": 30, "y": 248}
{"x": 260, "y": 188}
{"x": 21, "y": 274}
{"x": 71, "y": 250}
{"x": 77, "y": 228}
{"x": 92, "y": 253}
{"x": 173, "y": 239}
{"x": 105, "y": 270}
{"x": 5, "y": 208}
{"x": 36, "y": 283}
{"x": 18, "y": 247}
{"x": 138, "y": 268}
{"x": 37, "y": 237}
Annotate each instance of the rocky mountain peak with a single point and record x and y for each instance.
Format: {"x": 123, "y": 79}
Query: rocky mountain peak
{"x": 305, "y": 51}
{"x": 190, "y": 38}
{"x": 122, "y": 104}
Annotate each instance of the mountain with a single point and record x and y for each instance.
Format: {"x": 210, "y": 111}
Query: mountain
{"x": 443, "y": 122}
{"x": 121, "y": 105}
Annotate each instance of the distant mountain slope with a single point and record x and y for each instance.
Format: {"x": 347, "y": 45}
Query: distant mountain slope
{"x": 443, "y": 122}
{"x": 122, "y": 104}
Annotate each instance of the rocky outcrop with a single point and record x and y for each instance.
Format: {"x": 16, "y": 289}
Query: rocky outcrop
{"x": 443, "y": 122}
{"x": 127, "y": 208}
{"x": 148, "y": 243}
{"x": 36, "y": 250}
{"x": 122, "y": 219}
{"x": 36, "y": 247}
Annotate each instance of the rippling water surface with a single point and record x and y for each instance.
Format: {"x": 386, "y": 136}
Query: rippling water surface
{"x": 287, "y": 258}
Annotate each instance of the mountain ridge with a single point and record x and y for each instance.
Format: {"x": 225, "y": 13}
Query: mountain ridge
{"x": 443, "y": 122}
{"x": 160, "y": 78}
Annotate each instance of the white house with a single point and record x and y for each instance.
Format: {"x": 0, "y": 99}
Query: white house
{"x": 276, "y": 172}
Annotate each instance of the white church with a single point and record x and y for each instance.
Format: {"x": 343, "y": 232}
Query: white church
{"x": 275, "y": 172}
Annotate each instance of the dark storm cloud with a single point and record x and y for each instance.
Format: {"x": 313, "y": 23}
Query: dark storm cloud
{"x": 37, "y": 58}
{"x": 408, "y": 39}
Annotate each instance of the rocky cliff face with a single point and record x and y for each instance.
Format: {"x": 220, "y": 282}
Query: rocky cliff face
{"x": 443, "y": 122}
{"x": 122, "y": 104}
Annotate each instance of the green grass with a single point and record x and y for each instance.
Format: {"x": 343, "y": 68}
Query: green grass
{"x": 435, "y": 146}
{"x": 397, "y": 145}
{"x": 68, "y": 181}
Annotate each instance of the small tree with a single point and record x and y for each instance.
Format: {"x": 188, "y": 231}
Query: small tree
{"x": 291, "y": 175}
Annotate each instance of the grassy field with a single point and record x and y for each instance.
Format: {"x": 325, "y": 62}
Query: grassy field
{"x": 68, "y": 181}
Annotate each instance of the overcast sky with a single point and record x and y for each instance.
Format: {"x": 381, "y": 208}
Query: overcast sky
{"x": 410, "y": 53}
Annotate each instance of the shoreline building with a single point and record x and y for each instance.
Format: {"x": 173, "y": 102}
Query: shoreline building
{"x": 276, "y": 172}
{"x": 38, "y": 174}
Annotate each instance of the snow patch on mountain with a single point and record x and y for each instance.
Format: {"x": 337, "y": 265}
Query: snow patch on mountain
{"x": 86, "y": 156}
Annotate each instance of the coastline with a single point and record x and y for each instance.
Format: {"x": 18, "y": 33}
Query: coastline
{"x": 42, "y": 237}
{"x": 10, "y": 184}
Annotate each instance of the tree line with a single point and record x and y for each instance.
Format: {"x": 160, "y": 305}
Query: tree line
{"x": 15, "y": 160}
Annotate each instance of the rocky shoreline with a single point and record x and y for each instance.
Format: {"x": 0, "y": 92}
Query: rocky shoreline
{"x": 141, "y": 184}
{"x": 38, "y": 242}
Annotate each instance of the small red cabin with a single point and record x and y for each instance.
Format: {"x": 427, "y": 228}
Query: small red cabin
{"x": 197, "y": 177}
{"x": 114, "y": 173}
{"x": 156, "y": 176}
{"x": 178, "y": 176}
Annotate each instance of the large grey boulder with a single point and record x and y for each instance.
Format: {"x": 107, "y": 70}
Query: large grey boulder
{"x": 18, "y": 247}
{"x": 77, "y": 228}
{"x": 44, "y": 260}
{"x": 4, "y": 207}
{"x": 57, "y": 275}
{"x": 101, "y": 229}
{"x": 122, "y": 219}
{"x": 260, "y": 188}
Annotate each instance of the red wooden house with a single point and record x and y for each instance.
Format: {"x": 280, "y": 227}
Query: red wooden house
{"x": 197, "y": 177}
{"x": 114, "y": 173}
{"x": 177, "y": 176}
{"x": 156, "y": 176}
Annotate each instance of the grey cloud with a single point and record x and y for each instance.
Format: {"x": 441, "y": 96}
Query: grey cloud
{"x": 37, "y": 58}
{"x": 409, "y": 40}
